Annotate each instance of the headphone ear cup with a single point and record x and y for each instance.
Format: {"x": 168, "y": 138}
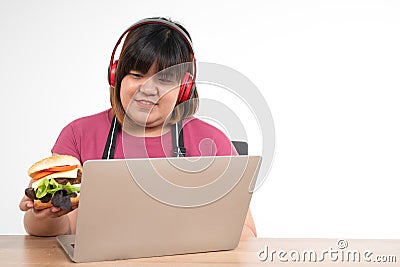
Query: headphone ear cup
{"x": 186, "y": 88}
{"x": 112, "y": 71}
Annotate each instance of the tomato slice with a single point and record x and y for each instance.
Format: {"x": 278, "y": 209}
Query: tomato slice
{"x": 51, "y": 170}
{"x": 61, "y": 168}
{"x": 41, "y": 174}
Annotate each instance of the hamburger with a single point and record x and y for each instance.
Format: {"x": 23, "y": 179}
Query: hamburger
{"x": 57, "y": 182}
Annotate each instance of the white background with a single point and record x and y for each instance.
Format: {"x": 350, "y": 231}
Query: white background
{"x": 329, "y": 71}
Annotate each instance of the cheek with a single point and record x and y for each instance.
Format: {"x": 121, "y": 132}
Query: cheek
{"x": 124, "y": 99}
{"x": 170, "y": 99}
{"x": 127, "y": 91}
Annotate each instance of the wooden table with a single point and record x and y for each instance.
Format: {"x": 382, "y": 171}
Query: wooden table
{"x": 23, "y": 250}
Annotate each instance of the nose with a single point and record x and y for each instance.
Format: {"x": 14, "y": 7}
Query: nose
{"x": 149, "y": 87}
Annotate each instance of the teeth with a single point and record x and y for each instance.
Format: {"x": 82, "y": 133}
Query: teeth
{"x": 146, "y": 102}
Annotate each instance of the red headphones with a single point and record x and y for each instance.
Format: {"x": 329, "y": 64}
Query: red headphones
{"x": 187, "y": 86}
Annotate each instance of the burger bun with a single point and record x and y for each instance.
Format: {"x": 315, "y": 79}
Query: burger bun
{"x": 39, "y": 205}
{"x": 53, "y": 161}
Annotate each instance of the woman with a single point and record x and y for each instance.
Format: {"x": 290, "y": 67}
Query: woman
{"x": 153, "y": 101}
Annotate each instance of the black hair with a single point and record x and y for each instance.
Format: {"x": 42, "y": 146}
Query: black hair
{"x": 152, "y": 43}
{"x": 148, "y": 44}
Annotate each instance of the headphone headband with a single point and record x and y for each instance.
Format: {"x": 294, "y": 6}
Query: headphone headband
{"x": 187, "y": 87}
{"x": 159, "y": 21}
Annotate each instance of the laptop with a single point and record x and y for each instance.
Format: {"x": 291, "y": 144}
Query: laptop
{"x": 134, "y": 208}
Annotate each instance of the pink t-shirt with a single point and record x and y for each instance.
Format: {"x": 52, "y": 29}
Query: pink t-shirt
{"x": 85, "y": 139}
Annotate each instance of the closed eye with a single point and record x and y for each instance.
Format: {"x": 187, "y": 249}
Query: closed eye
{"x": 165, "y": 81}
{"x": 136, "y": 75}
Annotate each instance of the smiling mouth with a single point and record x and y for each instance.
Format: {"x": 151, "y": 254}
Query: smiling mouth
{"x": 145, "y": 103}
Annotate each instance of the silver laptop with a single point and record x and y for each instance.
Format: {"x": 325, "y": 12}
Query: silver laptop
{"x": 135, "y": 208}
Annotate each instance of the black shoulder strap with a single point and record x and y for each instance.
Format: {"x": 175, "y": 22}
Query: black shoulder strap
{"x": 109, "y": 148}
{"x": 178, "y": 144}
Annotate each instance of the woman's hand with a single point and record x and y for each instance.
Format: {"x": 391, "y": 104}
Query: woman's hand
{"x": 51, "y": 212}
{"x": 47, "y": 222}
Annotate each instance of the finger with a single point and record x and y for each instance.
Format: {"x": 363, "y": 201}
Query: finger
{"x": 57, "y": 212}
{"x": 55, "y": 209}
{"x": 62, "y": 212}
{"x": 51, "y": 212}
{"x": 29, "y": 204}
{"x": 25, "y": 205}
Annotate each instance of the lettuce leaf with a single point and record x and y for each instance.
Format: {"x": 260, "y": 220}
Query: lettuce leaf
{"x": 45, "y": 186}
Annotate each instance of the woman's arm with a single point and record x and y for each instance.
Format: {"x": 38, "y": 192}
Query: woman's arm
{"x": 48, "y": 222}
{"x": 45, "y": 223}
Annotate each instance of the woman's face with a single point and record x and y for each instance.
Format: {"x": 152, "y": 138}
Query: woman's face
{"x": 148, "y": 99}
